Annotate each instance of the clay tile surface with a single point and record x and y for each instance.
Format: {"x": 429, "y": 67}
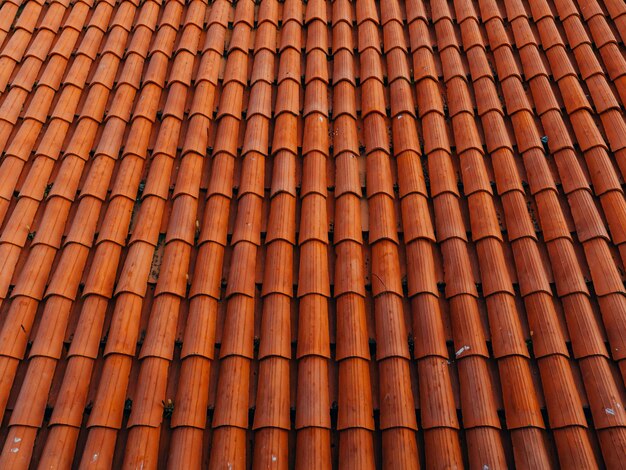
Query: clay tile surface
{"x": 323, "y": 234}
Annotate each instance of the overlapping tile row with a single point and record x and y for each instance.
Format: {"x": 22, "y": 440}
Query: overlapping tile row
{"x": 615, "y": 10}
{"x": 105, "y": 419}
{"x": 18, "y": 148}
{"x": 585, "y": 336}
{"x": 59, "y": 296}
{"x": 189, "y": 416}
{"x": 37, "y": 52}
{"x": 144, "y": 423}
{"x": 591, "y": 230}
{"x": 564, "y": 407}
{"x": 322, "y": 234}
{"x": 355, "y": 421}
{"x": 27, "y": 25}
{"x": 440, "y": 423}
{"x": 8, "y": 11}
{"x": 30, "y": 284}
{"x": 313, "y": 342}
{"x": 272, "y": 421}
{"x": 579, "y": 111}
{"x": 587, "y": 342}
{"x": 17, "y": 229}
{"x": 523, "y": 416}
{"x": 28, "y": 61}
{"x": 230, "y": 421}
{"x": 480, "y": 418}
{"x": 111, "y": 238}
{"x": 604, "y": 40}
{"x": 606, "y": 104}
{"x": 397, "y": 417}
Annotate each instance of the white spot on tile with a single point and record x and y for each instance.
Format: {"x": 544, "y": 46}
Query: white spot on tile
{"x": 274, "y": 458}
{"x": 610, "y": 411}
{"x": 485, "y": 467}
{"x": 462, "y": 350}
{"x": 15, "y": 450}
{"x": 95, "y": 457}
{"x": 17, "y": 439}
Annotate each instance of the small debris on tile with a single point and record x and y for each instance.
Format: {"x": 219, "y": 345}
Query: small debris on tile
{"x": 462, "y": 350}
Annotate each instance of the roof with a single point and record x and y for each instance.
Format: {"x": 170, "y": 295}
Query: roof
{"x": 312, "y": 234}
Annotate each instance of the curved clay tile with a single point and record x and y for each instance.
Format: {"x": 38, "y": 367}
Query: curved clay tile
{"x": 169, "y": 295}
{"x": 129, "y": 290}
{"x": 608, "y": 191}
{"x": 571, "y": 310}
{"x": 13, "y": 50}
{"x": 312, "y": 420}
{"x": 63, "y": 315}
{"x": 198, "y": 359}
{"x": 522, "y": 410}
{"x": 468, "y": 334}
{"x": 8, "y": 13}
{"x": 343, "y": 66}
{"x": 39, "y": 105}
{"x": 397, "y": 418}
{"x": 601, "y": 95}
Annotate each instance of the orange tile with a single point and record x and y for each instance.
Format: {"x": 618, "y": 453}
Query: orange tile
{"x": 285, "y": 234}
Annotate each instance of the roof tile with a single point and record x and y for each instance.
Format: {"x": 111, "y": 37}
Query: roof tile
{"x": 489, "y": 244}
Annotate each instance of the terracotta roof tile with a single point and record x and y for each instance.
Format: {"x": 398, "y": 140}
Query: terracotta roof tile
{"x": 325, "y": 234}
